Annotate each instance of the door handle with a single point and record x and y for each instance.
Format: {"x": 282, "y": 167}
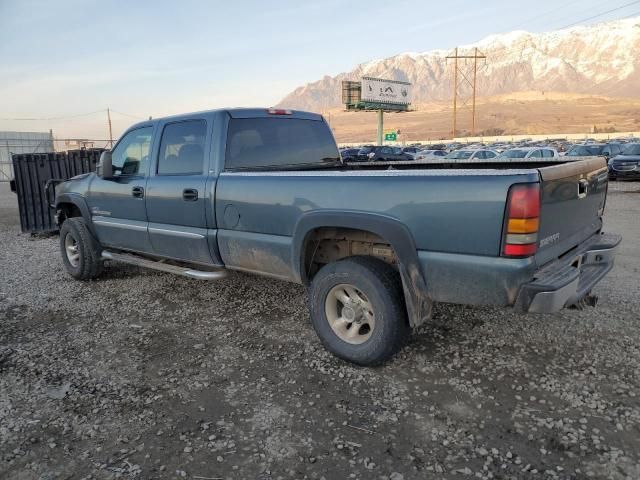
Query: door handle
{"x": 137, "y": 192}
{"x": 190, "y": 194}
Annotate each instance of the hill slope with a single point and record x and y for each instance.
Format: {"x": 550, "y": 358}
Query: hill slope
{"x": 597, "y": 59}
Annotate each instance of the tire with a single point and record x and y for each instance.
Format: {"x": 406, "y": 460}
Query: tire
{"x": 383, "y": 327}
{"x": 83, "y": 263}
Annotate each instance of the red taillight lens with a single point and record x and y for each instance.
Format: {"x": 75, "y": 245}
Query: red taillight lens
{"x": 523, "y": 221}
{"x": 527, "y": 250}
{"x": 278, "y": 111}
{"x": 524, "y": 201}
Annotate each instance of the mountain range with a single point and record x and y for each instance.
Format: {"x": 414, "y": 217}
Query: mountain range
{"x": 600, "y": 59}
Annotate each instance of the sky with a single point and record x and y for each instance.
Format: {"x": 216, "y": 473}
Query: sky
{"x": 155, "y": 58}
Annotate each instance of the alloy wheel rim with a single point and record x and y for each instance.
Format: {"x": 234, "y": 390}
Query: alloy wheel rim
{"x": 350, "y": 314}
{"x": 72, "y": 250}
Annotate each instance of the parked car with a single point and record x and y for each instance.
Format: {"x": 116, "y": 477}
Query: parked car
{"x": 627, "y": 164}
{"x": 606, "y": 150}
{"x": 437, "y": 146}
{"x": 382, "y": 153}
{"x": 533, "y": 153}
{"x": 349, "y": 154}
{"x": 410, "y": 151}
{"x": 430, "y": 154}
{"x": 470, "y": 155}
{"x": 264, "y": 191}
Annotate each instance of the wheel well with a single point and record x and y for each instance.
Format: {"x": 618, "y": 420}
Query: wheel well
{"x": 327, "y": 244}
{"x": 67, "y": 210}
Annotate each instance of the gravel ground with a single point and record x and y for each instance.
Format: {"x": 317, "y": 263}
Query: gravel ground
{"x": 144, "y": 374}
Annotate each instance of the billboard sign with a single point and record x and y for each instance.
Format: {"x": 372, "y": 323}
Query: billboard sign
{"x": 392, "y": 92}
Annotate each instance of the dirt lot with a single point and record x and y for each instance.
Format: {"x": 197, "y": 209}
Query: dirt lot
{"x": 518, "y": 113}
{"x": 143, "y": 374}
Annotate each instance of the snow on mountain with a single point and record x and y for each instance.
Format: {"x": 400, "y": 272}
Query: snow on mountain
{"x": 599, "y": 59}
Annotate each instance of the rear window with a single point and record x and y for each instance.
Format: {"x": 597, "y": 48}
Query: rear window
{"x": 515, "y": 153}
{"x": 459, "y": 155}
{"x": 586, "y": 151}
{"x": 254, "y": 143}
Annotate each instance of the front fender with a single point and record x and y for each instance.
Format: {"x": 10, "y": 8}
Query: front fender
{"x": 419, "y": 304}
{"x": 81, "y": 203}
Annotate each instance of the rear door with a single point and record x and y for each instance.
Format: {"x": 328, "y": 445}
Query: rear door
{"x": 572, "y": 203}
{"x": 177, "y": 191}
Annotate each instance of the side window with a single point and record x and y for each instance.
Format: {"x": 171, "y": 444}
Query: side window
{"x": 547, "y": 153}
{"x": 254, "y": 143}
{"x": 131, "y": 154}
{"x": 182, "y": 148}
{"x": 479, "y": 155}
{"x": 488, "y": 154}
{"x": 386, "y": 151}
{"x": 536, "y": 154}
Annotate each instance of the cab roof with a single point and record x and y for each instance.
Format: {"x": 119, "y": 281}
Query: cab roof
{"x": 264, "y": 112}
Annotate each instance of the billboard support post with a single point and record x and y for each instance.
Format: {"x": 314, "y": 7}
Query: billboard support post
{"x": 380, "y": 126}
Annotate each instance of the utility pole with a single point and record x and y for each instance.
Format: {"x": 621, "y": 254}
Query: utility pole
{"x": 110, "y": 133}
{"x": 473, "y": 108}
{"x": 457, "y": 70}
{"x": 455, "y": 93}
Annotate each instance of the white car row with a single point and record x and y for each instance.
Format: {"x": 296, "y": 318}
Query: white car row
{"x": 482, "y": 154}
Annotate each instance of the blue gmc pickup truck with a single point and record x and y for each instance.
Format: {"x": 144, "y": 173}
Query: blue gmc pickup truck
{"x": 265, "y": 191}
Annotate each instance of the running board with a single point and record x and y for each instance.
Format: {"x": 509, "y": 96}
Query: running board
{"x": 163, "y": 267}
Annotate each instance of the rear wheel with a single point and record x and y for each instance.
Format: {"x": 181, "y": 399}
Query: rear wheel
{"x": 80, "y": 252}
{"x": 358, "y": 311}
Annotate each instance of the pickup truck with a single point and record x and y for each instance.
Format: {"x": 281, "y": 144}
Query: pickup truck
{"x": 265, "y": 191}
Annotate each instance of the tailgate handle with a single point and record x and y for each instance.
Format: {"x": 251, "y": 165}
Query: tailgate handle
{"x": 583, "y": 188}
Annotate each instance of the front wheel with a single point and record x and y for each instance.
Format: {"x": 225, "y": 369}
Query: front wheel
{"x": 358, "y": 310}
{"x": 80, "y": 252}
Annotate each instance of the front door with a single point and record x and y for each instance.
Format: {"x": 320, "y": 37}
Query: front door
{"x": 177, "y": 193}
{"x": 117, "y": 204}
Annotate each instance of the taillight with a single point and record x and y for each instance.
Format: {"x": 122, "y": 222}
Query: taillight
{"x": 279, "y": 111}
{"x": 523, "y": 221}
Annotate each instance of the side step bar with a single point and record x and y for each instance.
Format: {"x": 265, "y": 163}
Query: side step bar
{"x": 163, "y": 267}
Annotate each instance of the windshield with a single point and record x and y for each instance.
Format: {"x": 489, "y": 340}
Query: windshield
{"x": 515, "y": 153}
{"x": 585, "y": 150}
{"x": 459, "y": 155}
{"x": 633, "y": 149}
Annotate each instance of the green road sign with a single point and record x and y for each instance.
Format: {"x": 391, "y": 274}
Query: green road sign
{"x": 390, "y": 137}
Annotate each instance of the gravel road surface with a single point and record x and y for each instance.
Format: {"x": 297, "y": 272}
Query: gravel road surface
{"x": 146, "y": 375}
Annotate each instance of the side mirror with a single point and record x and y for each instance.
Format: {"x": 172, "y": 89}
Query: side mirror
{"x": 104, "y": 169}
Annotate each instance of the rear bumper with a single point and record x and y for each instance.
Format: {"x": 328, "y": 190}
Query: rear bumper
{"x": 570, "y": 278}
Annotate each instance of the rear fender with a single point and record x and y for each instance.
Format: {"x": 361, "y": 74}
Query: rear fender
{"x": 419, "y": 305}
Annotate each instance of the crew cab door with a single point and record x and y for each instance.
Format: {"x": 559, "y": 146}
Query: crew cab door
{"x": 117, "y": 204}
{"x": 177, "y": 191}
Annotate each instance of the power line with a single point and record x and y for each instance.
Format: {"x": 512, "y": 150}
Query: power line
{"x": 600, "y": 14}
{"x": 65, "y": 117}
{"x": 127, "y": 114}
{"x": 54, "y": 118}
{"x": 546, "y": 13}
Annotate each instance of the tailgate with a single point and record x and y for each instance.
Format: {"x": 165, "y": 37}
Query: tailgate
{"x": 572, "y": 203}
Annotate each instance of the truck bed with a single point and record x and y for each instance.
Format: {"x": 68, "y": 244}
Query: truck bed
{"x": 499, "y": 164}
